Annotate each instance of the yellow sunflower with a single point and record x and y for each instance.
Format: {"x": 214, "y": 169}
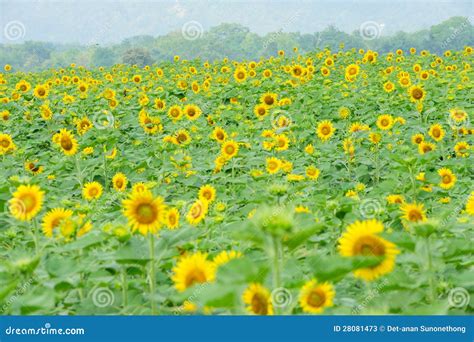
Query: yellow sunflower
{"x": 53, "y": 220}
{"x": 470, "y": 204}
{"x": 92, "y": 190}
{"x": 144, "y": 212}
{"x": 175, "y": 112}
{"x": 269, "y": 99}
{"x": 240, "y": 74}
{"x": 41, "y": 91}
{"x": 315, "y": 297}
{"x": 260, "y": 111}
{"x": 416, "y": 93}
{"x": 436, "y": 132}
{"x": 229, "y": 149}
{"x": 417, "y": 138}
{"x": 83, "y": 125}
{"x": 361, "y": 239}
{"x": 66, "y": 141}
{"x": 6, "y": 144}
{"x": 207, "y": 193}
{"x": 312, "y": 172}
{"x": 26, "y": 202}
{"x": 193, "y": 269}
{"x": 192, "y": 112}
{"x": 225, "y": 256}
{"x": 448, "y": 178}
{"x": 172, "y": 218}
{"x": 197, "y": 212}
{"x": 351, "y": 72}
{"x": 273, "y": 165}
{"x": 325, "y": 130}
{"x": 33, "y": 167}
{"x": 388, "y": 87}
{"x": 281, "y": 142}
{"x": 425, "y": 147}
{"x": 385, "y": 122}
{"x": 413, "y": 212}
{"x": 219, "y": 134}
{"x": 119, "y": 181}
{"x": 458, "y": 115}
{"x": 258, "y": 300}
{"x": 462, "y": 149}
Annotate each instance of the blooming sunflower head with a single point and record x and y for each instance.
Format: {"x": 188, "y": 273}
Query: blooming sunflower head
{"x": 229, "y": 149}
{"x": 207, "y": 193}
{"x": 26, "y": 202}
{"x": 258, "y": 300}
{"x": 193, "y": 269}
{"x": 53, "y": 219}
{"x": 361, "y": 238}
{"x": 448, "y": 178}
{"x": 325, "y": 130}
{"x": 119, "y": 181}
{"x": 144, "y": 212}
{"x": 197, "y": 212}
{"x": 315, "y": 297}
{"x": 92, "y": 191}
{"x": 413, "y": 212}
{"x": 416, "y": 93}
{"x": 385, "y": 122}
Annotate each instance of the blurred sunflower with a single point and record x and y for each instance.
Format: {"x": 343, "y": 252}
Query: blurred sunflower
{"x": 258, "y": 300}
{"x": 53, "y": 220}
{"x": 119, "y": 181}
{"x": 92, "y": 191}
{"x": 361, "y": 239}
{"x": 26, "y": 202}
{"x": 413, "y": 212}
{"x": 191, "y": 270}
{"x": 448, "y": 178}
{"x": 315, "y": 297}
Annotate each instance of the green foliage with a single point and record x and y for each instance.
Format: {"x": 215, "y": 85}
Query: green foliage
{"x": 229, "y": 40}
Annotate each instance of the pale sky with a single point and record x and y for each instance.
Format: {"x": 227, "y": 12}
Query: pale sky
{"x": 107, "y": 21}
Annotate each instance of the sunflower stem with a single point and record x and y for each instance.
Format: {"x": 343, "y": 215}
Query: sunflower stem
{"x": 35, "y": 236}
{"x": 124, "y": 288}
{"x": 78, "y": 171}
{"x": 152, "y": 274}
{"x": 430, "y": 270}
{"x": 276, "y": 267}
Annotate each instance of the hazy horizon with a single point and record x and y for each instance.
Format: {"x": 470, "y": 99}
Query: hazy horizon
{"x": 106, "y": 21}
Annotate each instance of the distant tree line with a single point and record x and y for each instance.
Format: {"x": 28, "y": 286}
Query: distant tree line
{"x": 233, "y": 41}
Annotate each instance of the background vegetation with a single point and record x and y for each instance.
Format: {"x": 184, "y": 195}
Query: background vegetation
{"x": 228, "y": 40}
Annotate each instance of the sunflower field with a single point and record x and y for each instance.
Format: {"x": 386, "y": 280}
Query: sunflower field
{"x": 332, "y": 182}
